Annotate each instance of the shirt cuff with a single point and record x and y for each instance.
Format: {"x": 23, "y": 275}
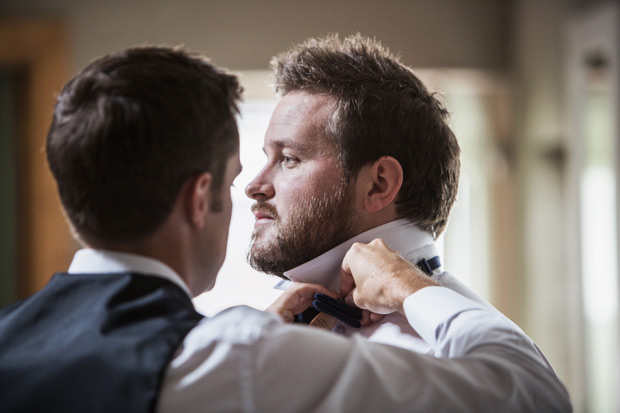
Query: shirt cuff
{"x": 429, "y": 308}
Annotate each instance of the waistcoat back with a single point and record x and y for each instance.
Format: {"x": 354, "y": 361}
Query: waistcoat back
{"x": 91, "y": 342}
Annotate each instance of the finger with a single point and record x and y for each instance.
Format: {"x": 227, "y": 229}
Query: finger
{"x": 287, "y": 316}
{"x": 306, "y": 296}
{"x": 375, "y": 318}
{"x": 289, "y": 303}
{"x": 365, "y": 321}
{"x": 348, "y": 299}
{"x": 301, "y": 305}
{"x": 324, "y": 321}
{"x": 370, "y": 318}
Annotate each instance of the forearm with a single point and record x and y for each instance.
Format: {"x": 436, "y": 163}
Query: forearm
{"x": 357, "y": 375}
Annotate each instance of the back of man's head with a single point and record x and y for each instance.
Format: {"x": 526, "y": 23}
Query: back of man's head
{"x": 382, "y": 109}
{"x": 129, "y": 130}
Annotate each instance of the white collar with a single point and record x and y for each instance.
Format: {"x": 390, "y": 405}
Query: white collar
{"x": 400, "y": 235}
{"x": 91, "y": 261}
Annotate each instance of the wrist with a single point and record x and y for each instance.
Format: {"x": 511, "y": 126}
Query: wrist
{"x": 412, "y": 285}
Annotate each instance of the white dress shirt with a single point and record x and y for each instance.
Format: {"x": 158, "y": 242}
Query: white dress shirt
{"x": 413, "y": 244}
{"x": 249, "y": 361}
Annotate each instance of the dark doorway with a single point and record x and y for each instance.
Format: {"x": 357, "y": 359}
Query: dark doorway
{"x": 8, "y": 195}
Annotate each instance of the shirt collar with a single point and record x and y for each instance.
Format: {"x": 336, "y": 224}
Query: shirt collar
{"x": 91, "y": 261}
{"x": 400, "y": 235}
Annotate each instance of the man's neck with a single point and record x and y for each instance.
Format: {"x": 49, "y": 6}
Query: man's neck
{"x": 92, "y": 261}
{"x": 166, "y": 245}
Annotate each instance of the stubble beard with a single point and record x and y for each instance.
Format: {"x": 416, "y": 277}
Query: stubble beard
{"x": 315, "y": 226}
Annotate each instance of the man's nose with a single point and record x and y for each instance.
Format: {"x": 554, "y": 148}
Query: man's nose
{"x": 260, "y": 188}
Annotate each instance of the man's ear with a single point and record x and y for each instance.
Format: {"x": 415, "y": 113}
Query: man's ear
{"x": 198, "y": 198}
{"x": 383, "y": 180}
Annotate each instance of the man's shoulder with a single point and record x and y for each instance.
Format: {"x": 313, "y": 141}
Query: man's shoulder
{"x": 239, "y": 324}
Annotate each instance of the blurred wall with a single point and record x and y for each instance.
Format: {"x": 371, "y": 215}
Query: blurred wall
{"x": 541, "y": 281}
{"x": 244, "y": 34}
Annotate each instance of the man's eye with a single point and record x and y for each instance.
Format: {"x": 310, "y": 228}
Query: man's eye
{"x": 289, "y": 161}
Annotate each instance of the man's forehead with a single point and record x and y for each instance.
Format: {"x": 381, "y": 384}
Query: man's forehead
{"x": 299, "y": 122}
{"x": 306, "y": 104}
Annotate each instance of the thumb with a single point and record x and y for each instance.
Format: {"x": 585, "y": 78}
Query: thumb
{"x": 324, "y": 321}
{"x": 348, "y": 298}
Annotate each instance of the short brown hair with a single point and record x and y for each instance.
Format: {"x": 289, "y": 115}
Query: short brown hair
{"x": 130, "y": 129}
{"x": 382, "y": 109}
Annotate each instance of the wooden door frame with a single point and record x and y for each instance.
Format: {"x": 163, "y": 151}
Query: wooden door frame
{"x": 37, "y": 50}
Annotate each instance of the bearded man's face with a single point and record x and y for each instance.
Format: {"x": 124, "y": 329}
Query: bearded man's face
{"x": 304, "y": 202}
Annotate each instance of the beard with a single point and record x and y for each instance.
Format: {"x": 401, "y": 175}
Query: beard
{"x": 315, "y": 225}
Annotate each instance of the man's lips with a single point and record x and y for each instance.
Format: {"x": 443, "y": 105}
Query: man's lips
{"x": 264, "y": 213}
{"x": 262, "y": 217}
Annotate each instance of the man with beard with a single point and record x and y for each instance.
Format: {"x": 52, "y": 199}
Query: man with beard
{"x": 357, "y": 149}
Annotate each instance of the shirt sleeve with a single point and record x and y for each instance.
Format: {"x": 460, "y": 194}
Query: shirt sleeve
{"x": 283, "y": 368}
{"x": 453, "y": 324}
{"x": 482, "y": 362}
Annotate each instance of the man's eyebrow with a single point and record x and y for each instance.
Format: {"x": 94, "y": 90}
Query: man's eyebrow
{"x": 301, "y": 147}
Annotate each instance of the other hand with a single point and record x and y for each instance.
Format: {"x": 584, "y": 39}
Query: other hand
{"x": 298, "y": 298}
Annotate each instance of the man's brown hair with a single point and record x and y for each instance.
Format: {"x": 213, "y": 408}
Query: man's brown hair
{"x": 382, "y": 109}
{"x": 129, "y": 130}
